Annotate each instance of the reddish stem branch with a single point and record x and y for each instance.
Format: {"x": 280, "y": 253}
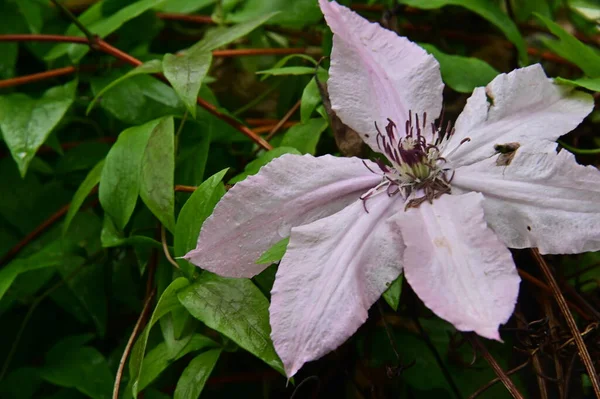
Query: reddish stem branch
{"x": 28, "y": 37}
{"x": 244, "y": 52}
{"x": 198, "y": 19}
{"x": 185, "y": 189}
{"x": 36, "y": 77}
{"x": 103, "y": 46}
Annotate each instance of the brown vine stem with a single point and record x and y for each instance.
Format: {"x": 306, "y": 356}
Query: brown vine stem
{"x": 165, "y": 247}
{"x": 185, "y": 189}
{"x": 136, "y": 330}
{"x": 29, "y": 37}
{"x": 526, "y": 276}
{"x": 510, "y": 386}
{"x": 245, "y": 52}
{"x": 198, "y": 19}
{"x": 69, "y": 70}
{"x": 283, "y": 120}
{"x": 495, "y": 380}
{"x": 562, "y": 304}
{"x": 36, "y": 77}
{"x": 103, "y": 46}
{"x": 269, "y": 128}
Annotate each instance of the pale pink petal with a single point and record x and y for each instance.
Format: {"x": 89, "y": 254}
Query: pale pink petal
{"x": 520, "y": 107}
{"x": 456, "y": 264}
{"x": 260, "y": 211}
{"x": 376, "y": 74}
{"x": 541, "y": 199}
{"x": 333, "y": 271}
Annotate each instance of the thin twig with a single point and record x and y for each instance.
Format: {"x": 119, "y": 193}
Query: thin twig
{"x": 198, "y": 19}
{"x": 246, "y": 52}
{"x": 553, "y": 326}
{"x": 30, "y": 37}
{"x": 163, "y": 240}
{"x": 283, "y": 120}
{"x": 36, "y": 77}
{"x": 541, "y": 285}
{"x": 495, "y": 380}
{"x": 89, "y": 35}
{"x": 136, "y": 330}
{"x": 388, "y": 332}
{"x": 562, "y": 304}
{"x": 185, "y": 189}
{"x": 103, "y": 46}
{"x": 510, "y": 386}
{"x": 268, "y": 128}
{"x": 69, "y": 70}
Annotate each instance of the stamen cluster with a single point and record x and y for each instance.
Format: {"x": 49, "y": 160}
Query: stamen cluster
{"x": 416, "y": 165}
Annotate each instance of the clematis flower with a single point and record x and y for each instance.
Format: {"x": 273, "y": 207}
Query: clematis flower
{"x": 442, "y": 210}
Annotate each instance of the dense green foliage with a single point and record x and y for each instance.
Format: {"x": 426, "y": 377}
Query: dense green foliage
{"x": 142, "y": 163}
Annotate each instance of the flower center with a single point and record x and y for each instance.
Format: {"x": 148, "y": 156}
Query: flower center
{"x": 416, "y": 166}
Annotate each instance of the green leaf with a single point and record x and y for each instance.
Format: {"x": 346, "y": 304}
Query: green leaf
{"x": 168, "y": 302}
{"x": 21, "y": 383}
{"x": 81, "y": 158}
{"x": 587, "y": 83}
{"x": 221, "y": 36}
{"x": 71, "y": 364}
{"x": 253, "y": 167}
{"x": 486, "y": 9}
{"x": 86, "y": 187}
{"x": 50, "y": 255}
{"x": 86, "y": 284}
{"x": 295, "y": 13}
{"x": 571, "y": 49}
{"x": 462, "y": 74}
{"x": 275, "y": 253}
{"x": 523, "y": 9}
{"x": 101, "y": 27}
{"x": 392, "y": 294}
{"x": 305, "y": 136}
{"x": 184, "y": 6}
{"x": 192, "y": 380}
{"x": 11, "y": 21}
{"x": 193, "y": 149}
{"x": 311, "y": 96}
{"x": 161, "y": 356}
{"x": 237, "y": 309}
{"x": 186, "y": 73}
{"x": 196, "y": 209}
{"x": 32, "y": 12}
{"x": 291, "y": 70}
{"x": 157, "y": 173}
{"x": 120, "y": 179}
{"x": 27, "y": 122}
{"x": 150, "y": 67}
{"x": 139, "y": 99}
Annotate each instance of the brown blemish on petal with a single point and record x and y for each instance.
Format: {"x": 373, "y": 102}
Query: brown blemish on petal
{"x": 507, "y": 153}
{"x": 441, "y": 242}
